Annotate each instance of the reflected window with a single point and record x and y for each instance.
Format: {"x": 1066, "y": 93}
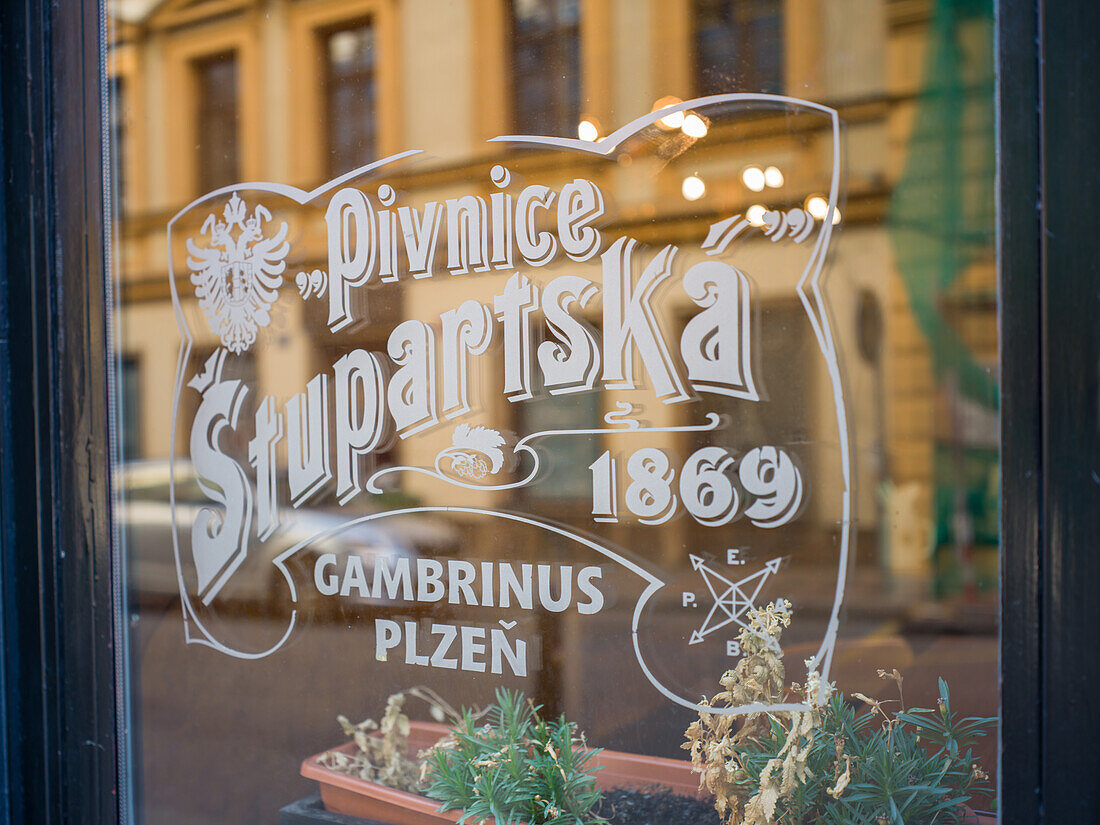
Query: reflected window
{"x": 118, "y": 110}
{"x": 785, "y": 415}
{"x": 738, "y": 46}
{"x": 546, "y": 66}
{"x": 218, "y": 121}
{"x": 130, "y": 399}
{"x": 567, "y": 477}
{"x": 349, "y": 97}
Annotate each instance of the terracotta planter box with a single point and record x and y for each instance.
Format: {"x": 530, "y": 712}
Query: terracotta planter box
{"x": 350, "y": 795}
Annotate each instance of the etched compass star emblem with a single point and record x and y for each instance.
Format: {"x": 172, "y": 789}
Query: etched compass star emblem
{"x": 732, "y": 599}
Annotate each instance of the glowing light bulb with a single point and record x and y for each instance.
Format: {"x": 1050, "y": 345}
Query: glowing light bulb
{"x": 694, "y": 126}
{"x": 755, "y": 214}
{"x": 588, "y": 130}
{"x": 773, "y": 177}
{"x": 836, "y": 216}
{"x": 817, "y": 206}
{"x": 753, "y": 178}
{"x": 693, "y": 188}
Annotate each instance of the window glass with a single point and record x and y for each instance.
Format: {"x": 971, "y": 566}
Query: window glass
{"x": 349, "y": 97}
{"x": 638, "y": 359}
{"x": 546, "y": 66}
{"x": 216, "y": 121}
{"x": 570, "y": 478}
{"x": 738, "y": 45}
{"x": 130, "y": 400}
{"x": 118, "y": 139}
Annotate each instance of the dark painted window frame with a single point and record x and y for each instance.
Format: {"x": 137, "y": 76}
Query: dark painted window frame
{"x": 59, "y": 613}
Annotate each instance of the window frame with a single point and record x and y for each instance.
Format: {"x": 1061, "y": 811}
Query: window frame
{"x": 565, "y": 123}
{"x": 180, "y": 180}
{"x": 337, "y": 166}
{"x": 305, "y": 162}
{"x": 207, "y": 113}
{"x": 751, "y": 82}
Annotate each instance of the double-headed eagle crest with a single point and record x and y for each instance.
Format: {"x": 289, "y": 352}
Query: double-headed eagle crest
{"x": 237, "y": 277}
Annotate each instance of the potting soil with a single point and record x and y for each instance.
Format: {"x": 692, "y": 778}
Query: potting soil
{"x": 654, "y": 806}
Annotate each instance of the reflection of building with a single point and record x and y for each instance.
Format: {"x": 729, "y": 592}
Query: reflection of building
{"x": 299, "y": 92}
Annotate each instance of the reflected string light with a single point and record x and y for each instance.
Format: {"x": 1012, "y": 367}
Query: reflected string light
{"x": 342, "y": 46}
{"x": 588, "y": 130}
{"x": 753, "y": 178}
{"x": 673, "y": 120}
{"x": 755, "y": 214}
{"x": 693, "y": 188}
{"x": 817, "y": 206}
{"x": 773, "y": 177}
{"x": 694, "y": 126}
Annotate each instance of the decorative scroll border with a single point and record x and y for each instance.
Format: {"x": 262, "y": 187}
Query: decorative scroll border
{"x": 810, "y": 294}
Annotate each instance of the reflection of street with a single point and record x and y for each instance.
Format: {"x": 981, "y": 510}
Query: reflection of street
{"x": 147, "y": 517}
{"x": 224, "y": 738}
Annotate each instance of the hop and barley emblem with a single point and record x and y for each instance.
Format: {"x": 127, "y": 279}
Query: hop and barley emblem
{"x": 238, "y": 274}
{"x": 475, "y": 451}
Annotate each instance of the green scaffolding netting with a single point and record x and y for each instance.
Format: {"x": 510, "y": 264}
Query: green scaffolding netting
{"x": 942, "y": 221}
{"x": 942, "y": 211}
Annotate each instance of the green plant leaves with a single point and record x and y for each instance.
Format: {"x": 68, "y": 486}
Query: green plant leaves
{"x": 515, "y": 767}
{"x": 913, "y": 767}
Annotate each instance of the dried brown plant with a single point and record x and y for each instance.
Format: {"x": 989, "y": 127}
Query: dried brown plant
{"x": 715, "y": 740}
{"x": 821, "y": 760}
{"x": 382, "y": 748}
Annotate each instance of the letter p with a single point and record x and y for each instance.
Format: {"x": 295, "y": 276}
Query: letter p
{"x": 351, "y": 251}
{"x": 387, "y": 635}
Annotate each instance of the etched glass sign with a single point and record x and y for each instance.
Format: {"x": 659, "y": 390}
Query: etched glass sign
{"x": 512, "y": 293}
{"x": 676, "y": 419}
